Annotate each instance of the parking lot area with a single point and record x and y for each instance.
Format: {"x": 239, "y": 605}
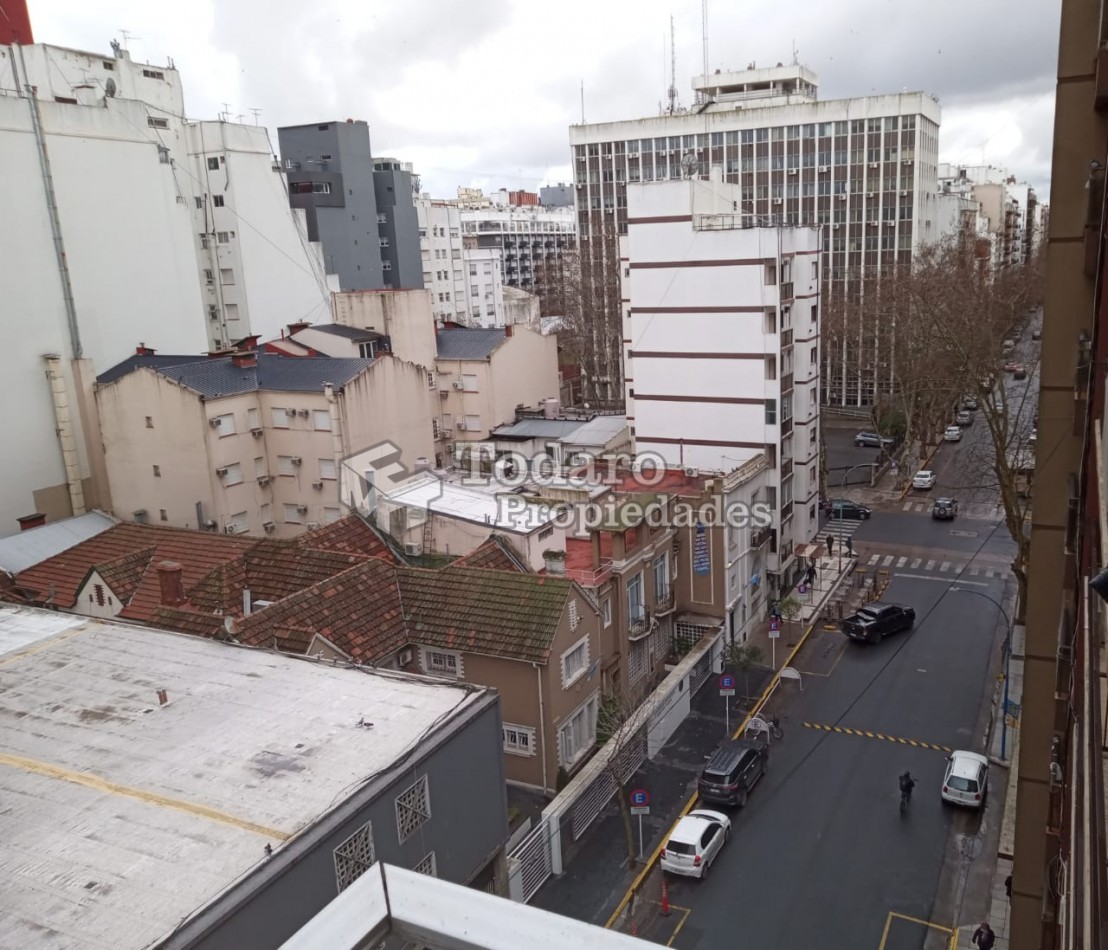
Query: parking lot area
{"x": 844, "y": 458}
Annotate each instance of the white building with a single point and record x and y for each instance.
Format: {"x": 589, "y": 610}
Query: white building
{"x": 1007, "y": 210}
{"x": 465, "y": 281}
{"x": 723, "y": 362}
{"x": 865, "y": 167}
{"x": 111, "y": 196}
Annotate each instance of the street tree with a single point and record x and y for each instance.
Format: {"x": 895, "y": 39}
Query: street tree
{"x": 742, "y": 658}
{"x": 620, "y": 728}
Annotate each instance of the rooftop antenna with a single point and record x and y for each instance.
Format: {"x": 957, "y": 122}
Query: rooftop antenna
{"x": 672, "y": 93}
{"x": 226, "y": 113}
{"x": 796, "y": 59}
{"x": 127, "y": 37}
{"x": 582, "y": 101}
{"x": 704, "y": 25}
{"x": 255, "y": 113}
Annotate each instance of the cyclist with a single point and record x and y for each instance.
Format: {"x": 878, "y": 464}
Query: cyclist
{"x": 907, "y": 783}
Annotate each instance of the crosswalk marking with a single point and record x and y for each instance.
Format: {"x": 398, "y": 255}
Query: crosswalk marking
{"x": 916, "y": 563}
{"x": 974, "y": 571}
{"x": 945, "y": 567}
{"x": 909, "y": 506}
{"x": 930, "y": 566}
{"x": 874, "y": 559}
{"x": 901, "y": 561}
{"x": 888, "y": 561}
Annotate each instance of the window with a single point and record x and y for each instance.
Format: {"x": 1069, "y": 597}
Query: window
{"x": 252, "y": 420}
{"x": 413, "y": 808}
{"x": 327, "y": 468}
{"x": 574, "y": 616}
{"x": 217, "y": 200}
{"x": 386, "y": 265}
{"x": 384, "y": 242}
{"x": 280, "y": 418}
{"x": 635, "y": 598}
{"x": 213, "y": 164}
{"x": 233, "y": 476}
{"x": 204, "y": 241}
{"x": 209, "y": 276}
{"x": 157, "y": 471}
{"x": 309, "y": 187}
{"x": 225, "y": 424}
{"x": 469, "y": 382}
{"x": 157, "y": 123}
{"x": 153, "y": 74}
{"x": 321, "y": 420}
{"x": 163, "y": 515}
{"x": 149, "y": 422}
{"x": 473, "y": 423}
{"x": 771, "y": 273}
{"x": 382, "y": 218}
{"x": 661, "y": 577}
{"x": 608, "y": 612}
{"x": 354, "y": 856}
{"x": 427, "y": 866}
{"x": 226, "y": 275}
{"x": 293, "y": 515}
{"x": 442, "y": 661}
{"x": 519, "y": 740}
{"x": 261, "y": 468}
{"x": 331, "y": 515}
{"x": 771, "y": 412}
{"x": 285, "y": 466}
{"x": 222, "y": 237}
{"x": 574, "y": 662}
{"x": 578, "y": 734}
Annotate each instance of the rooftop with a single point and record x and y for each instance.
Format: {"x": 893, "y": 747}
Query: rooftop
{"x": 354, "y": 334}
{"x": 599, "y": 431}
{"x": 466, "y": 503}
{"x": 537, "y": 429}
{"x": 27, "y": 548}
{"x": 494, "y": 555}
{"x": 122, "y": 815}
{"x": 218, "y": 376}
{"x": 468, "y": 343}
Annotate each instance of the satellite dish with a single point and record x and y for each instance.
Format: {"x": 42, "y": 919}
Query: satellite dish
{"x": 109, "y": 88}
{"x": 689, "y": 164}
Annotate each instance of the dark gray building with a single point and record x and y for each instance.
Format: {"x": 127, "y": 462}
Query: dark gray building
{"x": 330, "y": 175}
{"x": 397, "y": 224}
{"x": 556, "y": 196}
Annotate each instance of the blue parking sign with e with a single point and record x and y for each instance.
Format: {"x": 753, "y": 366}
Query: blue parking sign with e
{"x": 727, "y": 681}
{"x": 640, "y": 797}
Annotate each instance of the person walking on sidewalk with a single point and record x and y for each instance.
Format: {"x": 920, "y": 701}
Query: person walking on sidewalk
{"x": 810, "y": 575}
{"x": 1008, "y": 887}
{"x": 984, "y": 938}
{"x": 830, "y": 544}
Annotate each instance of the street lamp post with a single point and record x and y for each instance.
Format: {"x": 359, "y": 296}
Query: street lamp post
{"x": 1007, "y": 663}
{"x": 846, "y": 475}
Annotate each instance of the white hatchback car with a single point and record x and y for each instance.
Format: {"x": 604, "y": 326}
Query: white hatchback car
{"x": 695, "y": 842}
{"x": 953, "y": 434}
{"x": 966, "y": 781}
{"x": 924, "y": 479}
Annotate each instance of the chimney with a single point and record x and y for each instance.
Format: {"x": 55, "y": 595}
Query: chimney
{"x": 15, "y": 24}
{"x": 508, "y": 330}
{"x": 143, "y": 350}
{"x": 244, "y": 359}
{"x": 173, "y": 587}
{"x": 37, "y": 520}
{"x": 247, "y": 343}
{"x": 298, "y": 326}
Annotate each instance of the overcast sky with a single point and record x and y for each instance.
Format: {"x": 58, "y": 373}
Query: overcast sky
{"x": 480, "y": 92}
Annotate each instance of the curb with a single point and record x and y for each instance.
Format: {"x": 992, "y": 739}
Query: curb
{"x": 648, "y": 866}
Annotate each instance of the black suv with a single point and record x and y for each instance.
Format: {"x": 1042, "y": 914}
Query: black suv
{"x": 874, "y": 622}
{"x": 944, "y": 509}
{"x": 732, "y": 771}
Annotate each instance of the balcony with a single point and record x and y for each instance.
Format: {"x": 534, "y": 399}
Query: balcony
{"x": 787, "y": 379}
{"x": 787, "y": 291}
{"x": 639, "y": 625}
{"x": 761, "y": 537}
{"x": 591, "y": 577}
{"x": 663, "y": 601}
{"x": 786, "y": 469}
{"x": 786, "y": 511}
{"x": 786, "y": 426}
{"x": 786, "y": 338}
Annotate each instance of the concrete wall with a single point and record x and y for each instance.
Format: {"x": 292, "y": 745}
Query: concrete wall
{"x": 402, "y": 315}
{"x": 400, "y": 228}
{"x": 466, "y": 830}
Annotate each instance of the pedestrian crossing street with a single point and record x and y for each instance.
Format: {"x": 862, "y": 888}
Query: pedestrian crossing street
{"x": 934, "y": 565}
{"x": 839, "y": 528}
{"x": 974, "y": 510}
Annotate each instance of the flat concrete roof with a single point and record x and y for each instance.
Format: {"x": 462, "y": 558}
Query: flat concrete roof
{"x": 470, "y": 504}
{"x": 28, "y": 548}
{"x": 122, "y": 816}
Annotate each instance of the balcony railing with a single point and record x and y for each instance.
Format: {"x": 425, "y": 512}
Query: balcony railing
{"x": 591, "y": 577}
{"x": 786, "y": 469}
{"x": 786, "y": 338}
{"x": 787, "y": 380}
{"x": 639, "y": 625}
{"x": 787, "y": 290}
{"x": 663, "y": 601}
{"x": 761, "y": 537}
{"x": 786, "y": 426}
{"x": 786, "y": 511}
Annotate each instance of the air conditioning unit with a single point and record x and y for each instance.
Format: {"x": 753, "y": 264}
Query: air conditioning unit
{"x": 904, "y": 194}
{"x": 221, "y": 472}
{"x": 777, "y": 201}
{"x": 873, "y": 164}
{"x": 231, "y": 529}
{"x": 413, "y": 548}
{"x": 404, "y": 657}
{"x": 269, "y": 527}
{"x": 793, "y": 171}
{"x": 303, "y": 413}
{"x": 302, "y": 509}
{"x": 296, "y": 460}
{"x": 264, "y": 480}
{"x": 841, "y": 197}
{"x": 692, "y": 472}
{"x": 214, "y": 423}
{"x": 871, "y": 194}
{"x": 457, "y": 384}
{"x": 256, "y": 432}
{"x": 461, "y": 425}
{"x": 318, "y": 486}
{"x": 825, "y": 168}
{"x": 312, "y": 525}
{"x": 834, "y": 227}
{"x": 906, "y": 161}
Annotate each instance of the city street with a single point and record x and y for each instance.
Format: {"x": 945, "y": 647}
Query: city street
{"x": 821, "y": 857}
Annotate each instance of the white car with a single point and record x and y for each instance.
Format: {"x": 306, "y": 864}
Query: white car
{"x": 924, "y": 479}
{"x": 1034, "y": 437}
{"x": 966, "y": 781}
{"x": 694, "y": 843}
{"x": 953, "y": 434}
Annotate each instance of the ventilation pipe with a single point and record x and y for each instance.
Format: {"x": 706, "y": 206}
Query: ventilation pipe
{"x": 66, "y": 439}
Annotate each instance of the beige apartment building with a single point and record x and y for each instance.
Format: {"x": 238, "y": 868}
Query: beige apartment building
{"x": 251, "y": 443}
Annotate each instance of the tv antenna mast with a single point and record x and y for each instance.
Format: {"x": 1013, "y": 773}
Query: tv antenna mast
{"x": 672, "y": 93}
{"x": 704, "y": 29}
{"x": 255, "y": 113}
{"x": 127, "y": 37}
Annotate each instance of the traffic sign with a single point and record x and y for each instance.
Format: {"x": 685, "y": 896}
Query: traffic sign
{"x": 774, "y": 625}
{"x": 774, "y": 632}
{"x": 803, "y": 589}
{"x": 727, "y": 681}
{"x": 640, "y": 809}
{"x": 640, "y": 797}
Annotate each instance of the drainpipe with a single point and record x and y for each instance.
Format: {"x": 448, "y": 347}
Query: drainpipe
{"x": 542, "y": 725}
{"x": 336, "y": 432}
{"x": 64, "y": 428}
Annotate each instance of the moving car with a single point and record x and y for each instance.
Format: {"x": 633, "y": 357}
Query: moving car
{"x": 1010, "y": 366}
{"x": 969, "y": 402}
{"x": 694, "y": 843}
{"x": 871, "y": 440}
{"x": 966, "y": 781}
{"x": 876, "y": 621}
{"x": 1020, "y": 372}
{"x": 924, "y": 479}
{"x": 953, "y": 434}
{"x": 944, "y": 509}
{"x": 964, "y": 418}
{"x": 843, "y": 508}
{"x": 732, "y": 771}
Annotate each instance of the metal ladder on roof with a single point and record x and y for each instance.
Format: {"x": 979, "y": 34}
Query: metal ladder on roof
{"x": 428, "y": 534}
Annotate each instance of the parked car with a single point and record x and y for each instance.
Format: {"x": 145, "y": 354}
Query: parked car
{"x": 1007, "y": 346}
{"x": 694, "y": 843}
{"x": 1010, "y": 366}
{"x": 966, "y": 781}
{"x": 969, "y": 402}
{"x": 876, "y": 621}
{"x": 964, "y": 418}
{"x": 872, "y": 440}
{"x": 924, "y": 479}
{"x": 1036, "y": 334}
{"x": 1020, "y": 372}
{"x": 838, "y": 508}
{"x": 732, "y": 771}
{"x": 953, "y": 434}
{"x": 1033, "y": 437}
{"x": 944, "y": 509}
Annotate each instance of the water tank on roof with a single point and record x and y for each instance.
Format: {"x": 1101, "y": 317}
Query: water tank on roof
{"x": 551, "y": 407}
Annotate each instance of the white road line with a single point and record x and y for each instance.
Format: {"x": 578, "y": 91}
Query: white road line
{"x": 945, "y": 566}
{"x": 974, "y": 571}
{"x": 888, "y": 561}
{"x": 916, "y": 563}
{"x": 930, "y": 566}
{"x": 989, "y": 573}
{"x": 943, "y": 580}
{"x": 874, "y": 559}
{"x": 908, "y": 506}
{"x": 900, "y": 562}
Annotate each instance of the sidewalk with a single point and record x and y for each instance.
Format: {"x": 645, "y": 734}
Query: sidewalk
{"x": 597, "y": 872}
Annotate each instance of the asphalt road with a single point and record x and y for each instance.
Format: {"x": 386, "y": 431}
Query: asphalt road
{"x": 821, "y": 857}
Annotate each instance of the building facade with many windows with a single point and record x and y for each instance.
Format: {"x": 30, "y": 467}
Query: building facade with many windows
{"x": 865, "y": 168}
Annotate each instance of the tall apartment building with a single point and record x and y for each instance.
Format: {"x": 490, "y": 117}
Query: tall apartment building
{"x": 125, "y": 223}
{"x": 556, "y": 196}
{"x": 1008, "y": 208}
{"x": 863, "y": 167}
{"x": 723, "y": 359}
{"x": 397, "y": 224}
{"x": 466, "y": 282}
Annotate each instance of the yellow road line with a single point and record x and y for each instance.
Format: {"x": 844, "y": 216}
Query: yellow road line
{"x": 151, "y": 798}
{"x": 893, "y": 915}
{"x": 690, "y": 804}
{"x": 685, "y": 911}
{"x": 866, "y": 734}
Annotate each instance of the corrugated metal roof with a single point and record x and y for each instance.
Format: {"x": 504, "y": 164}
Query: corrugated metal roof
{"x": 468, "y": 343}
{"x": 220, "y": 377}
{"x": 28, "y": 548}
{"x": 599, "y": 431}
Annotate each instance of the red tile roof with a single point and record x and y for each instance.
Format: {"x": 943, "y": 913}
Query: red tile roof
{"x": 119, "y": 552}
{"x": 352, "y": 535}
{"x": 491, "y": 555}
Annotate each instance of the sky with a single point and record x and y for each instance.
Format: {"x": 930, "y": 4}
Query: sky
{"x": 480, "y": 93}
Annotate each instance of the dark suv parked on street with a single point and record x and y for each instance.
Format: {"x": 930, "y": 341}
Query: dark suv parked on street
{"x": 876, "y": 621}
{"x": 732, "y": 771}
